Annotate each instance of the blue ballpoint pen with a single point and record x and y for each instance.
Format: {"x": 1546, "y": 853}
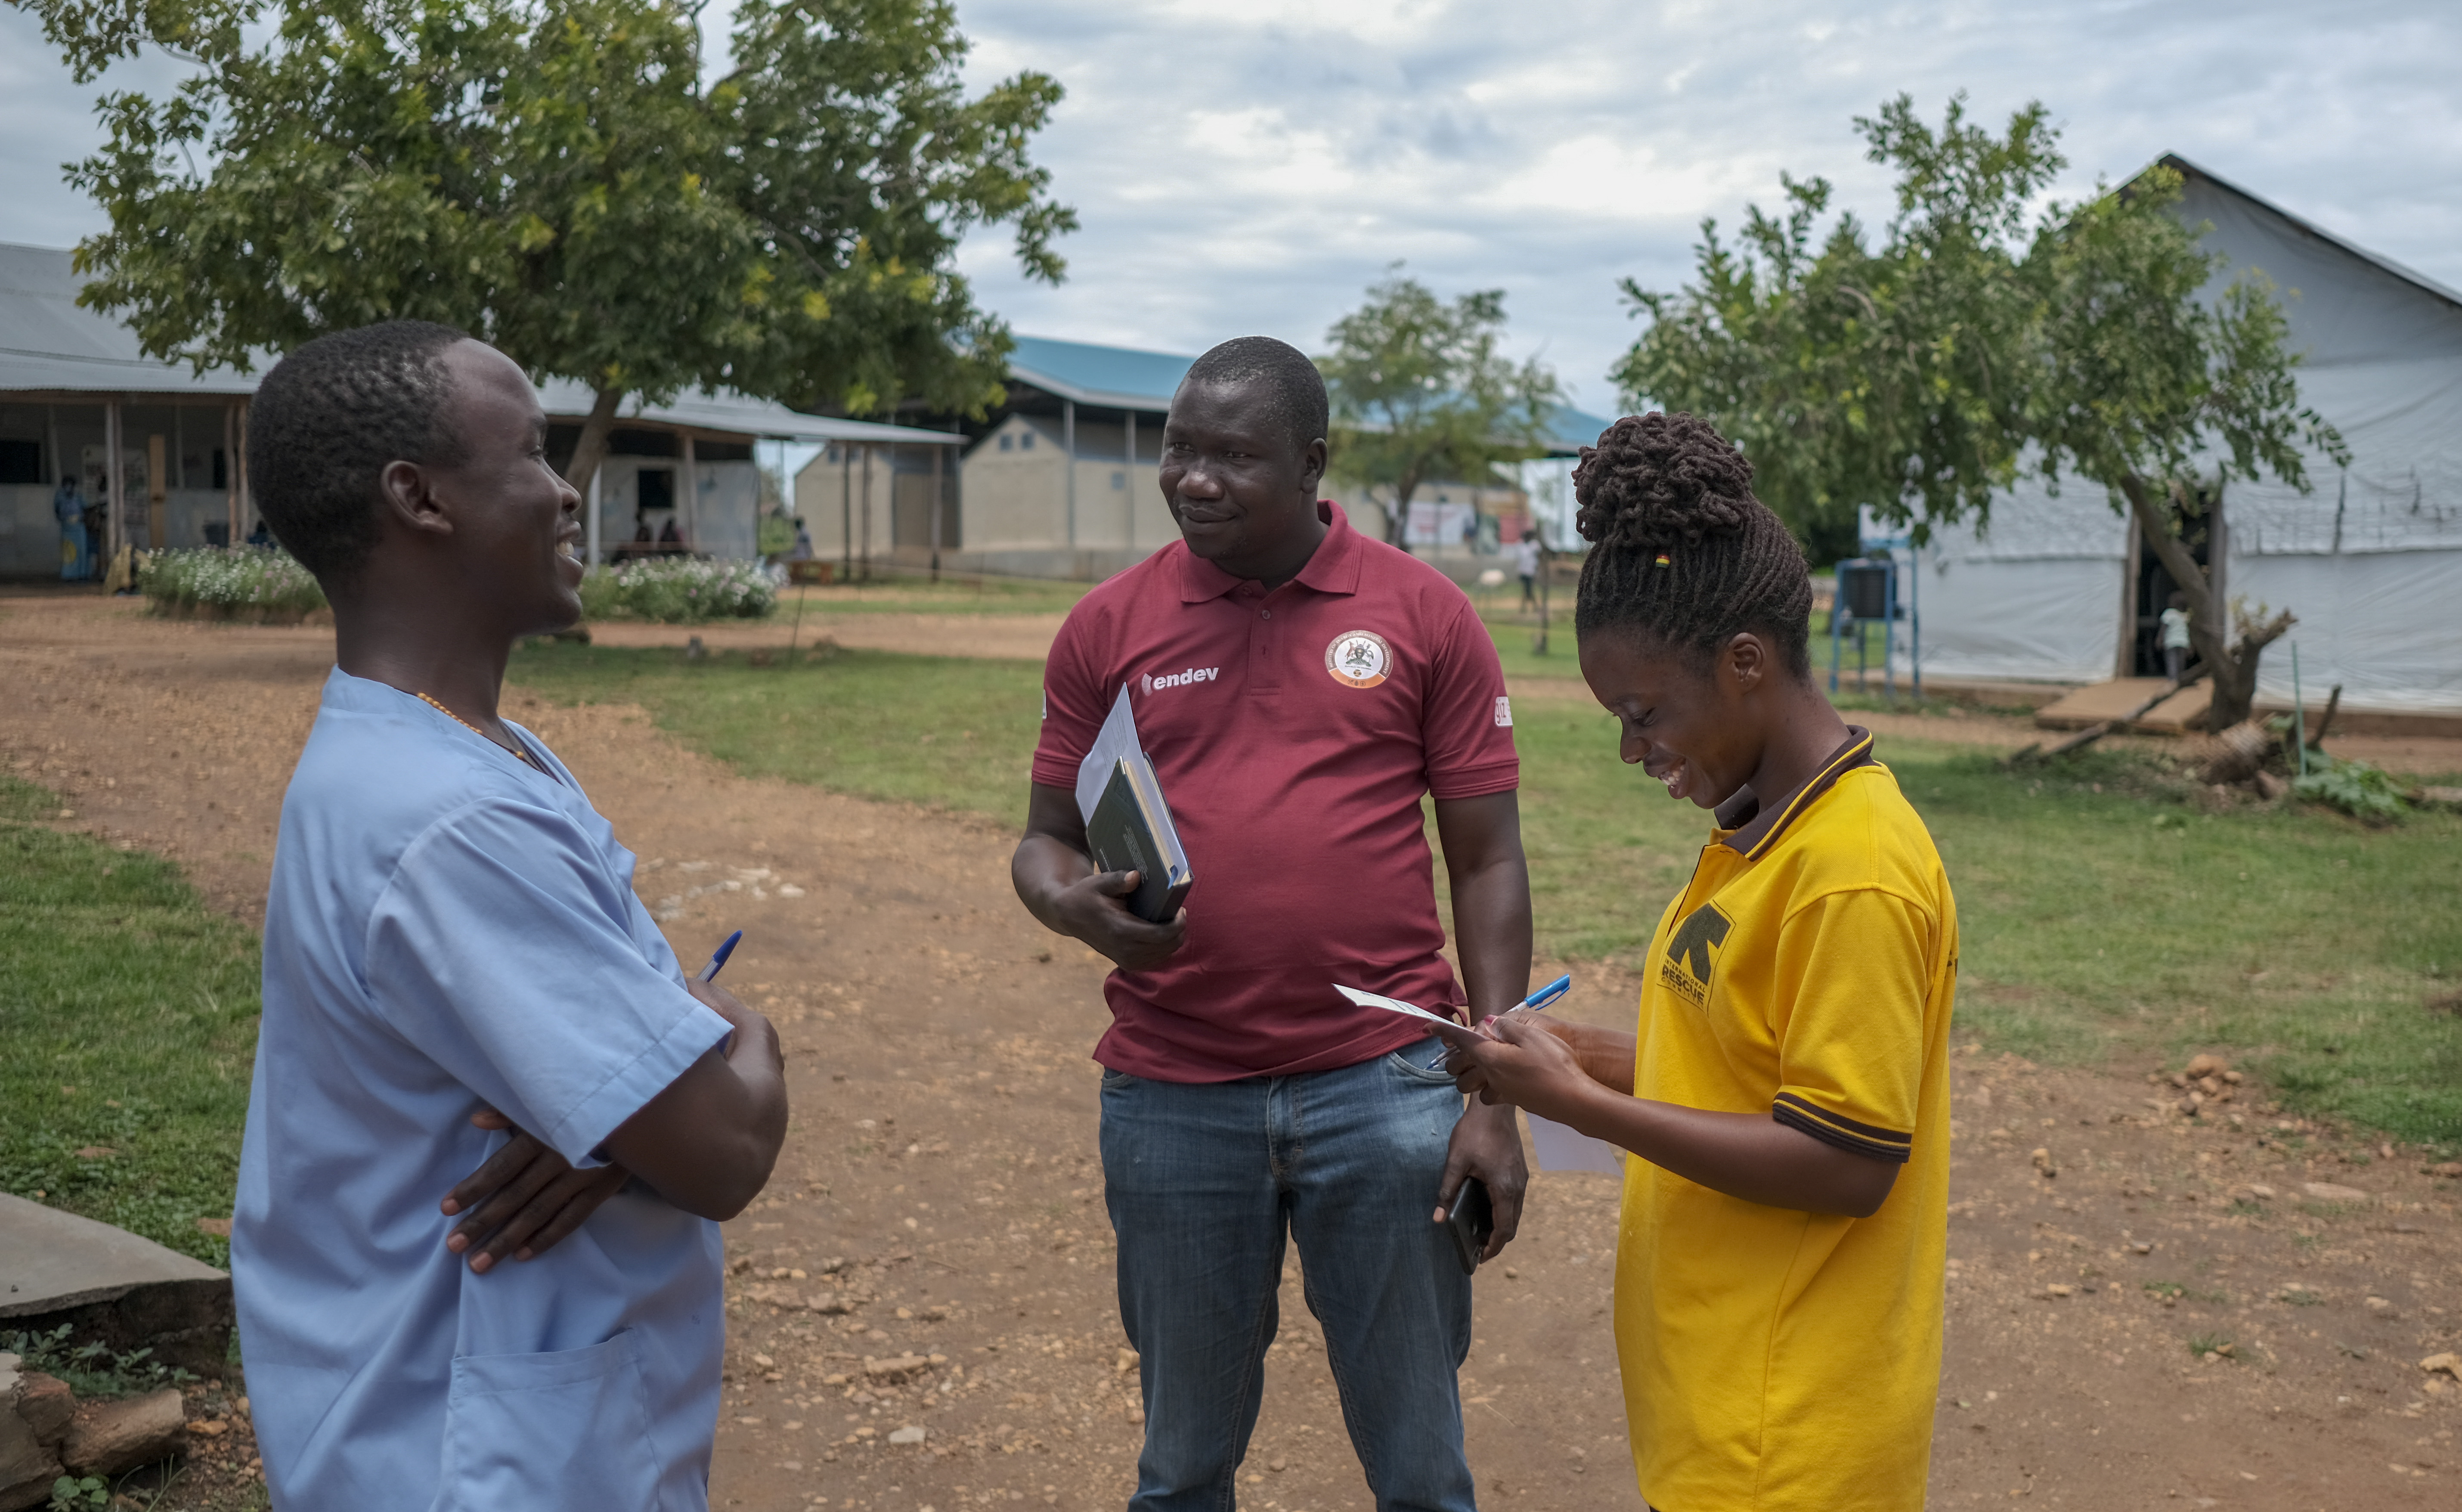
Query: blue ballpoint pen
{"x": 1536, "y": 1003}
{"x": 726, "y": 948}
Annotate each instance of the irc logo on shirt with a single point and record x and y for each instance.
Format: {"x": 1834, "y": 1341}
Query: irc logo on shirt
{"x": 1504, "y": 712}
{"x": 1693, "y": 953}
{"x": 1180, "y": 679}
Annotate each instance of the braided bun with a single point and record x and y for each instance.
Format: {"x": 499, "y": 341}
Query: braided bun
{"x": 1656, "y": 481}
{"x": 1681, "y": 551}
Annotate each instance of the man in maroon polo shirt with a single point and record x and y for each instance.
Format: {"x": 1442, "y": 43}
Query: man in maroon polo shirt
{"x": 1300, "y": 688}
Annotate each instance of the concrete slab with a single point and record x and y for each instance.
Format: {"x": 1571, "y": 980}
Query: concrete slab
{"x": 111, "y": 1287}
{"x": 2180, "y": 713}
{"x": 2096, "y": 703}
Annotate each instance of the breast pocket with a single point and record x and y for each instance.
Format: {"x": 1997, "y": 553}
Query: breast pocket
{"x": 568, "y": 1429}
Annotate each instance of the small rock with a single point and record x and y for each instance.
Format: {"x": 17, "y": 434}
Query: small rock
{"x": 2205, "y": 1065}
{"x": 2042, "y": 1159}
{"x": 2331, "y": 1192}
{"x": 2259, "y": 1190}
{"x": 2056, "y": 1289}
{"x": 2448, "y": 1363}
{"x": 2449, "y": 1168}
{"x": 108, "y": 1437}
{"x": 2378, "y": 1307}
{"x": 2140, "y": 1247}
{"x": 913, "y": 1434}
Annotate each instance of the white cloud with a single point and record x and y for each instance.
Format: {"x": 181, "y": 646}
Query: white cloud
{"x": 1253, "y": 167}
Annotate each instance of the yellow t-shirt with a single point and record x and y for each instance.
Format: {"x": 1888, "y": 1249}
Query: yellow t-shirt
{"x": 1775, "y": 1358}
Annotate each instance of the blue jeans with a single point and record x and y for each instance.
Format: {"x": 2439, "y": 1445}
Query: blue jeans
{"x": 1203, "y": 1183}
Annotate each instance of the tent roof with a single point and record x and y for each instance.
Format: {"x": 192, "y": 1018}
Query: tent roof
{"x": 1129, "y": 378}
{"x": 2192, "y": 171}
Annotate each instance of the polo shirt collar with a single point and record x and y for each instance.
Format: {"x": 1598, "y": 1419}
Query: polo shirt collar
{"x": 1753, "y": 827}
{"x": 1334, "y": 569}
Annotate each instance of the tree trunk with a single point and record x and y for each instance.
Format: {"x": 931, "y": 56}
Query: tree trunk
{"x": 592, "y": 448}
{"x": 1398, "y": 520}
{"x": 2231, "y": 666}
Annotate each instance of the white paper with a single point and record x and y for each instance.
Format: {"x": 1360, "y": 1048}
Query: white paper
{"x": 1369, "y": 999}
{"x": 1563, "y": 1149}
{"x": 1114, "y": 743}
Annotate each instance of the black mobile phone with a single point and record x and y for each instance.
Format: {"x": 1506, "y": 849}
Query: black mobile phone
{"x": 1471, "y": 1220}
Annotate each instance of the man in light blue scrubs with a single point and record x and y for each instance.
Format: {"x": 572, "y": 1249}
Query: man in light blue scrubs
{"x": 457, "y": 975}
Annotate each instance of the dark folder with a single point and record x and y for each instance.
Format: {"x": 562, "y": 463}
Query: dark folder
{"x": 1132, "y": 831}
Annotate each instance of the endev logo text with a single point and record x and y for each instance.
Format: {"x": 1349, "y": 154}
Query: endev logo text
{"x": 1181, "y": 680}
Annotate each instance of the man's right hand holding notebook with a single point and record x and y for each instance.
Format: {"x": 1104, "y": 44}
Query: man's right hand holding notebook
{"x": 1072, "y": 899}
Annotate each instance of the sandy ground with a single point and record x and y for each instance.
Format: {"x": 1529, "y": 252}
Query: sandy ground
{"x": 933, "y": 1254}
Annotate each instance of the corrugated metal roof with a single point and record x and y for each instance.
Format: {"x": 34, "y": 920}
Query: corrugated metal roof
{"x": 1127, "y": 378}
{"x": 49, "y": 343}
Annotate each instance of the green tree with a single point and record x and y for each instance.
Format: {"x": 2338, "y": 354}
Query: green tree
{"x": 1420, "y": 392}
{"x": 1979, "y": 341}
{"x": 558, "y": 178}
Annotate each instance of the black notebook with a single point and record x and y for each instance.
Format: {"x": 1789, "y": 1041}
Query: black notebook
{"x": 1130, "y": 830}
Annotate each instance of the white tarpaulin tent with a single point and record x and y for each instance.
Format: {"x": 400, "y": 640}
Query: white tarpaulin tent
{"x": 2370, "y": 560}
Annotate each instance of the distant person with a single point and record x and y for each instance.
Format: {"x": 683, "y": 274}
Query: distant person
{"x": 670, "y": 539}
{"x": 1245, "y": 1105}
{"x": 77, "y": 548}
{"x": 1778, "y": 1274}
{"x": 802, "y": 550}
{"x": 2175, "y": 635}
{"x": 1525, "y": 561}
{"x": 457, "y": 971}
{"x": 641, "y": 545}
{"x": 261, "y": 537}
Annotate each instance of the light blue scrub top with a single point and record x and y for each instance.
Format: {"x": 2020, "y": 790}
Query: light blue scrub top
{"x": 447, "y": 928}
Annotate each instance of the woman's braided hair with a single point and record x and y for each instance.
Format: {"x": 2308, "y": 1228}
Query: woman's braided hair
{"x": 1681, "y": 548}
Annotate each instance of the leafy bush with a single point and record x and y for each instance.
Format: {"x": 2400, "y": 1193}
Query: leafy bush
{"x": 677, "y": 591}
{"x": 229, "y": 577}
{"x": 2357, "y": 789}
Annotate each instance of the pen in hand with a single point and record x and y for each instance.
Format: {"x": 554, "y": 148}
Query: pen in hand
{"x": 726, "y": 948}
{"x": 1538, "y": 1002}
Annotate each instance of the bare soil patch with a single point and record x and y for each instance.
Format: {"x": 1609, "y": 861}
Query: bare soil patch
{"x": 933, "y": 1253}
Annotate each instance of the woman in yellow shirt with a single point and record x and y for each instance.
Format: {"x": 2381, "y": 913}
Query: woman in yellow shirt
{"x": 1780, "y": 1268}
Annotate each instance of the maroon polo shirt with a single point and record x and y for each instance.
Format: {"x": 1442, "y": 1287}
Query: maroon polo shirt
{"x": 1295, "y": 732}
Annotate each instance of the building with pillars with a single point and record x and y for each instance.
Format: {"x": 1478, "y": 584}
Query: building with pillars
{"x": 1059, "y": 481}
{"x": 159, "y": 451}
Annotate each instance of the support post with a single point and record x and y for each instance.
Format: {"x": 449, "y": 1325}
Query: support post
{"x": 866, "y": 512}
{"x": 114, "y": 484}
{"x": 239, "y": 468}
{"x": 1128, "y": 526}
{"x": 937, "y": 505}
{"x": 845, "y": 513}
{"x": 230, "y": 473}
{"x": 691, "y": 501}
{"x": 591, "y": 555}
{"x": 1069, "y": 450}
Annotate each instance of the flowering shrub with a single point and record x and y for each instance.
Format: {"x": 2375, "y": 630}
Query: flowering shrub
{"x": 229, "y": 577}
{"x": 677, "y": 591}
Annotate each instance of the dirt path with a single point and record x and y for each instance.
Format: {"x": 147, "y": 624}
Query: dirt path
{"x": 933, "y": 1252}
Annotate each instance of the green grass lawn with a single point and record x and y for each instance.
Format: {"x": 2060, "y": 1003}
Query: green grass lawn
{"x": 951, "y": 596}
{"x": 2100, "y": 912}
{"x": 129, "y": 1018}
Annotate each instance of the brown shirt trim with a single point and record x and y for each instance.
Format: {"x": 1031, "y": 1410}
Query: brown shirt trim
{"x": 1755, "y": 827}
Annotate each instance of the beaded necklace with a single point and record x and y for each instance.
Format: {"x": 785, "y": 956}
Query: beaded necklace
{"x": 519, "y": 753}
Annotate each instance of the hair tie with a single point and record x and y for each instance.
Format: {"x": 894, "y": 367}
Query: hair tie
{"x": 1662, "y": 558}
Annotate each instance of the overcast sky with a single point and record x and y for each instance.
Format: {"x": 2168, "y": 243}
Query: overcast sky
{"x": 1253, "y": 166}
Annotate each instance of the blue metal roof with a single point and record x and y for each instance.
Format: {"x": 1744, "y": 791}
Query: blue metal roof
{"x": 1126, "y": 377}
{"x": 1115, "y": 377}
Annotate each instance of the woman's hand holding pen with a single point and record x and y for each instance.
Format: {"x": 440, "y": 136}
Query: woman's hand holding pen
{"x": 1522, "y": 1059}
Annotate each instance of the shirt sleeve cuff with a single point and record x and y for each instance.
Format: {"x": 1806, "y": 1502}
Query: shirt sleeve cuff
{"x": 582, "y": 1133}
{"x": 1476, "y": 782}
{"x": 1800, "y": 1113}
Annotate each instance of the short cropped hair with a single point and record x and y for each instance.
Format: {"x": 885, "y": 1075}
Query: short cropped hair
{"x": 1682, "y": 550}
{"x": 1291, "y": 387}
{"x": 327, "y": 421}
